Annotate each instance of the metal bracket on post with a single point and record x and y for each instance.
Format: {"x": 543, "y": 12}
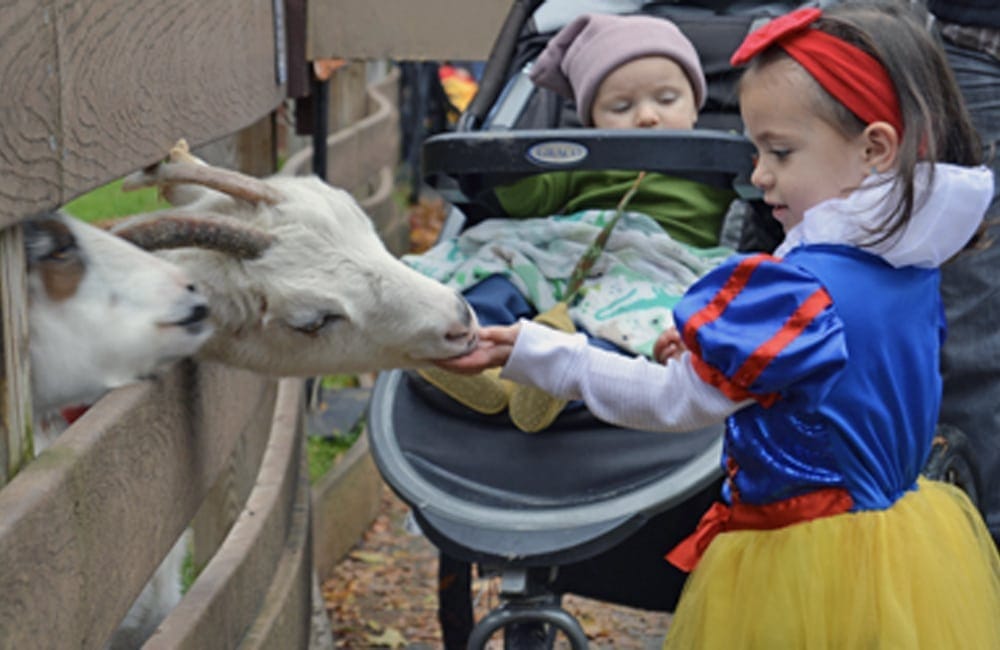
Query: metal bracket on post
{"x": 321, "y": 123}
{"x": 280, "y": 49}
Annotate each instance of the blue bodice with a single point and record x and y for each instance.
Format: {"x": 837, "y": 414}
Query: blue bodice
{"x": 839, "y": 350}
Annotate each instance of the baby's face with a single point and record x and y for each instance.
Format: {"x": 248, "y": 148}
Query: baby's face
{"x": 648, "y": 93}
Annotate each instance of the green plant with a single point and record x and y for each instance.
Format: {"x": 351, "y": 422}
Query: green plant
{"x": 109, "y": 202}
{"x": 323, "y": 451}
{"x": 335, "y": 382}
{"x": 189, "y": 572}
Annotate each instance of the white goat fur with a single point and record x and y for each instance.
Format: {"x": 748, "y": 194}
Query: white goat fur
{"x": 325, "y": 297}
{"x": 102, "y": 312}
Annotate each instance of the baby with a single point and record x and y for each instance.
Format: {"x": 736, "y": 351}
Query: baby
{"x": 622, "y": 72}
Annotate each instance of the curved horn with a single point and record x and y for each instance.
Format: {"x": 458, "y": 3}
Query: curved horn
{"x": 212, "y": 231}
{"x": 230, "y": 182}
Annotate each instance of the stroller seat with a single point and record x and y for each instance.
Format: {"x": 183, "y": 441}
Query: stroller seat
{"x": 485, "y": 492}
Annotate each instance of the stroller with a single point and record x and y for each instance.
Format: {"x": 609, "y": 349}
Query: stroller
{"x": 585, "y": 507}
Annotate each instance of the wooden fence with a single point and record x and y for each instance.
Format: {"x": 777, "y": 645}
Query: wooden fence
{"x": 93, "y": 90}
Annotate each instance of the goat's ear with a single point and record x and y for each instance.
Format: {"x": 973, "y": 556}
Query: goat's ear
{"x": 218, "y": 232}
{"x": 235, "y": 184}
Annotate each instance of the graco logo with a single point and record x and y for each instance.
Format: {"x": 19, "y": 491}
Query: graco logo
{"x": 556, "y": 152}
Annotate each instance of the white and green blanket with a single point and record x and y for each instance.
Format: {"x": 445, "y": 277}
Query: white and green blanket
{"x": 629, "y": 295}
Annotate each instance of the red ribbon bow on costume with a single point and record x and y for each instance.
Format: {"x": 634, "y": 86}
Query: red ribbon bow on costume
{"x": 854, "y": 77}
{"x": 722, "y": 518}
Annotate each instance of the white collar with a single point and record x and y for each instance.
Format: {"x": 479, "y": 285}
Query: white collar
{"x": 948, "y": 209}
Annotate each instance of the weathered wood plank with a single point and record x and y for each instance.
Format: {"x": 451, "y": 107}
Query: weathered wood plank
{"x": 225, "y": 500}
{"x": 225, "y": 599}
{"x": 84, "y": 525}
{"x": 356, "y": 153}
{"x": 15, "y": 380}
{"x": 94, "y": 90}
{"x": 285, "y": 618}
{"x": 362, "y": 158}
{"x": 29, "y": 110}
{"x": 136, "y": 75}
{"x": 403, "y": 29}
{"x": 344, "y": 503}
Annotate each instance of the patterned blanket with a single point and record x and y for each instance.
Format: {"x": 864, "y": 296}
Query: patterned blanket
{"x": 629, "y": 294}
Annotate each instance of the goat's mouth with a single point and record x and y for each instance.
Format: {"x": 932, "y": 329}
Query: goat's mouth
{"x": 471, "y": 342}
{"x": 195, "y": 322}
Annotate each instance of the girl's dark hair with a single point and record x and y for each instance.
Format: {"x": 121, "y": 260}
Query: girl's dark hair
{"x": 936, "y": 124}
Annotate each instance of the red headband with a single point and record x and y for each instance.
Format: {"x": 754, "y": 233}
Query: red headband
{"x": 856, "y": 79}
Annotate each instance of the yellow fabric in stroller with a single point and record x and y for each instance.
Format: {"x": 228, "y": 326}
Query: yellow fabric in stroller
{"x": 923, "y": 574}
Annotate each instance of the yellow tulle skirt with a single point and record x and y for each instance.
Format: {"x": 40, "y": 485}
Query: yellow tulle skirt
{"x": 923, "y": 574}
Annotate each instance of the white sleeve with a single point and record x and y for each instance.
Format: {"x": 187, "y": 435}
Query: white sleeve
{"x": 633, "y": 392}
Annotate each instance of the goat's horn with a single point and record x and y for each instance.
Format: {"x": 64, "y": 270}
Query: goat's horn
{"x": 170, "y": 229}
{"x": 232, "y": 183}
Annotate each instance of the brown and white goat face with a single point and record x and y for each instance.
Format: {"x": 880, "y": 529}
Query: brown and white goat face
{"x": 325, "y": 295}
{"x": 102, "y": 312}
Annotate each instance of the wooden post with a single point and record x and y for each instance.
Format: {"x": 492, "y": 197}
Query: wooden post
{"x": 15, "y": 381}
{"x": 348, "y": 96}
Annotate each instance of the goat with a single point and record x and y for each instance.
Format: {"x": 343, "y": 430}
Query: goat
{"x": 102, "y": 312}
{"x": 298, "y": 281}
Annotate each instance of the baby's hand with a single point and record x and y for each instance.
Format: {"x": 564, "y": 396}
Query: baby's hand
{"x": 668, "y": 346}
{"x": 495, "y": 345}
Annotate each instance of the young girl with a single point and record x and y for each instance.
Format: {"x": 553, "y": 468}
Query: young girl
{"x": 824, "y": 358}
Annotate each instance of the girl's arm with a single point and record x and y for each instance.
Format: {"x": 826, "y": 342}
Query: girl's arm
{"x": 628, "y": 391}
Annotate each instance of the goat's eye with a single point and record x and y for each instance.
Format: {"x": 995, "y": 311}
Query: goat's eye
{"x": 61, "y": 254}
{"x": 318, "y": 323}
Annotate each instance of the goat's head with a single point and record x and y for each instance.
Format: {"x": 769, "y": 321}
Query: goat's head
{"x": 102, "y": 312}
{"x": 299, "y": 283}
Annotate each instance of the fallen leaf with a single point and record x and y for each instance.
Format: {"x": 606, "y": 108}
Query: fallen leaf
{"x": 369, "y": 557}
{"x": 390, "y": 638}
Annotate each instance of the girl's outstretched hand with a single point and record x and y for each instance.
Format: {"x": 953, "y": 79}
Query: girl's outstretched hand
{"x": 668, "y": 346}
{"x": 495, "y": 345}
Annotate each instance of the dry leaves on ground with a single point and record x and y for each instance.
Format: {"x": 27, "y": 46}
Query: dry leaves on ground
{"x": 383, "y": 595}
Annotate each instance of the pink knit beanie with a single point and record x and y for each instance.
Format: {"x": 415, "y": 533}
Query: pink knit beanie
{"x": 581, "y": 54}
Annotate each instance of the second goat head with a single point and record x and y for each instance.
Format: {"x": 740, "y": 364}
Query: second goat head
{"x": 297, "y": 279}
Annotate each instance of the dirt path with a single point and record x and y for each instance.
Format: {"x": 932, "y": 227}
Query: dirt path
{"x": 383, "y": 595}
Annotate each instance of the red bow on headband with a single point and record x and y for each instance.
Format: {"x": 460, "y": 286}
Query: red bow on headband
{"x": 852, "y": 76}
{"x": 766, "y": 36}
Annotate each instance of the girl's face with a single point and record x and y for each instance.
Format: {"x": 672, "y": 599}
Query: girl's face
{"x": 648, "y": 93}
{"x": 802, "y": 160}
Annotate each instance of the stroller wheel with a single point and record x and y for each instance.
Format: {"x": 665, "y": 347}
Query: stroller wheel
{"x": 528, "y": 636}
{"x": 950, "y": 461}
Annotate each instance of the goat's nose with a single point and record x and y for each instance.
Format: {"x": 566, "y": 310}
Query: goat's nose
{"x": 465, "y": 313}
{"x": 463, "y": 328}
{"x": 198, "y": 314}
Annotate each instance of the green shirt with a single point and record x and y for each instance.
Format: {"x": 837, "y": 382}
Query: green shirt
{"x": 689, "y": 211}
